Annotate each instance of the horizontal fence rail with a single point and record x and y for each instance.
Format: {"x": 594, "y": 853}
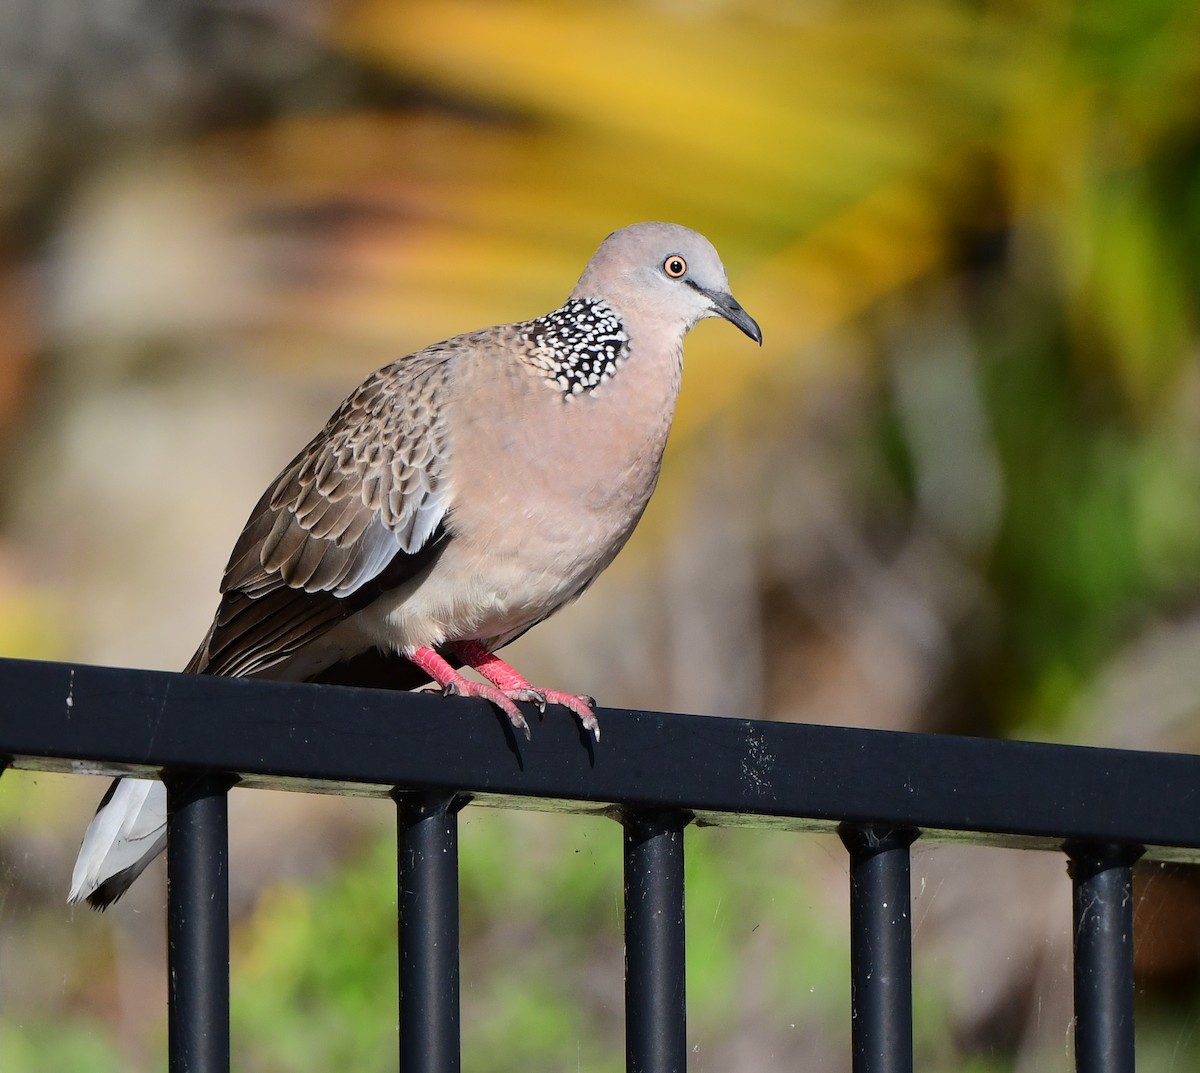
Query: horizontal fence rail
{"x": 655, "y": 773}
{"x": 725, "y": 771}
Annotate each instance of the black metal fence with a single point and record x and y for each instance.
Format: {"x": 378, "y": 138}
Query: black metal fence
{"x": 654, "y": 774}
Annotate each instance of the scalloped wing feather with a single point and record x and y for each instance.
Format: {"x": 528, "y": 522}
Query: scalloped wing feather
{"x": 359, "y": 510}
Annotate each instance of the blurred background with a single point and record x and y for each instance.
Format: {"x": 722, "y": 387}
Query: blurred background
{"x": 956, "y": 490}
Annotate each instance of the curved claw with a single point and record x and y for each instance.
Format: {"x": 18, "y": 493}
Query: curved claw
{"x": 580, "y": 705}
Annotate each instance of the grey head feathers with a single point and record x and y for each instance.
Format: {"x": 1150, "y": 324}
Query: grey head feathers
{"x": 663, "y": 271}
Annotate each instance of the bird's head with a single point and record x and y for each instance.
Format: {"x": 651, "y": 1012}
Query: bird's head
{"x": 666, "y": 272}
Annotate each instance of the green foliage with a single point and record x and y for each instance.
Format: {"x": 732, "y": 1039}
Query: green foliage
{"x": 755, "y": 912}
{"x": 315, "y": 970}
{"x": 1101, "y": 526}
{"x": 51, "y": 1046}
{"x": 314, "y": 984}
{"x": 1166, "y": 1029}
{"x": 541, "y": 916}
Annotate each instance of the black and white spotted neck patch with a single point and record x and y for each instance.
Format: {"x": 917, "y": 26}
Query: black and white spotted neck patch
{"x": 578, "y": 346}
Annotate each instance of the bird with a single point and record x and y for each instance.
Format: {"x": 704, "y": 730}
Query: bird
{"x": 458, "y": 497}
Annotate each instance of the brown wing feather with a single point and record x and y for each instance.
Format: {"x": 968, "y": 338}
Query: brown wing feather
{"x": 358, "y": 511}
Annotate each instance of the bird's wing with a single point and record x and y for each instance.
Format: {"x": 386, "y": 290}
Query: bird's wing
{"x": 360, "y": 510}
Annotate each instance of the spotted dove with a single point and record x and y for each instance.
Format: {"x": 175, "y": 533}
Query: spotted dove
{"x": 458, "y": 497}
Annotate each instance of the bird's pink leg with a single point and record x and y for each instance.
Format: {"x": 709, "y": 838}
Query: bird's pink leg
{"x": 515, "y": 686}
{"x": 454, "y": 684}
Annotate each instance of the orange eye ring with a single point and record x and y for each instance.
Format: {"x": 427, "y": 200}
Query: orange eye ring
{"x": 675, "y": 266}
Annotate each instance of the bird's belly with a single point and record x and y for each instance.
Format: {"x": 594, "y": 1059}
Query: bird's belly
{"x": 491, "y": 589}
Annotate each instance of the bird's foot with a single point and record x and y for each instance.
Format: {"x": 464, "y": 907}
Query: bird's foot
{"x": 514, "y": 685}
{"x": 454, "y": 684}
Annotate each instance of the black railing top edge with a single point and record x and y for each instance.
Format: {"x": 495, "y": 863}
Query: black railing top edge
{"x": 71, "y": 717}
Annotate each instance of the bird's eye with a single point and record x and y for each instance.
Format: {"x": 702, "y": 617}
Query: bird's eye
{"x": 675, "y": 266}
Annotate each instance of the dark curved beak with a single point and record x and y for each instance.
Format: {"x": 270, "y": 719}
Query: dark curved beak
{"x": 727, "y": 306}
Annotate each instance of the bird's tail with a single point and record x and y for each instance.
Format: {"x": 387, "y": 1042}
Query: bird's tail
{"x": 128, "y": 831}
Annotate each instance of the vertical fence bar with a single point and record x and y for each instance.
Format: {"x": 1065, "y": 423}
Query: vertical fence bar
{"x": 198, "y": 922}
{"x": 655, "y": 970}
{"x": 1102, "y": 878}
{"x": 427, "y": 879}
{"x": 880, "y": 947}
